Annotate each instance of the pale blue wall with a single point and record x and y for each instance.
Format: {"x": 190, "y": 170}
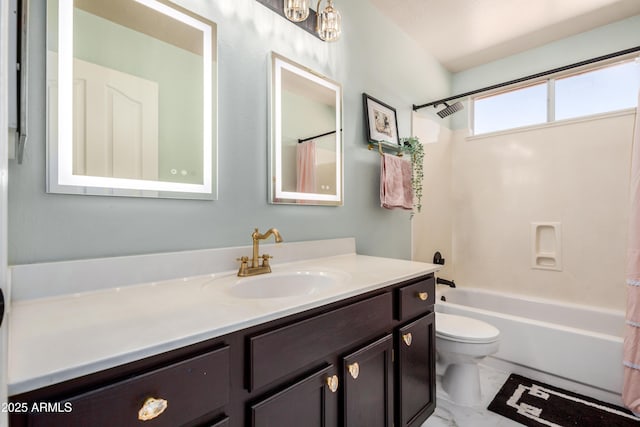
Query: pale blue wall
{"x": 374, "y": 56}
{"x": 610, "y": 38}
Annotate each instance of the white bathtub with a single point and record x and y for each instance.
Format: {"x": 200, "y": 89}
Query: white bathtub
{"x": 579, "y": 343}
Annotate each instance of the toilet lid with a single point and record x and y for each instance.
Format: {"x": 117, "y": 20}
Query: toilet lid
{"x": 465, "y": 329}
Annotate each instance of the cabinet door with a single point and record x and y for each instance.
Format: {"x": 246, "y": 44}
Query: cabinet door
{"x": 309, "y": 402}
{"x": 416, "y": 393}
{"x": 368, "y": 385}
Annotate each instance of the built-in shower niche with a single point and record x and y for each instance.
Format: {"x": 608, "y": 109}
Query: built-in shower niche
{"x": 546, "y": 246}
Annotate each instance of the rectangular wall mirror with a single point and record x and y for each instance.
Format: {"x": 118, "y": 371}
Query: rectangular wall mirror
{"x": 306, "y": 136}
{"x": 131, "y": 99}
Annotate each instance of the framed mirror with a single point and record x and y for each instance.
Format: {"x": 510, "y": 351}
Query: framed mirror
{"x": 305, "y": 137}
{"x": 131, "y": 99}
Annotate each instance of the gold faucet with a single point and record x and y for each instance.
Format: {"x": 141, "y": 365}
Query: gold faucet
{"x": 256, "y": 268}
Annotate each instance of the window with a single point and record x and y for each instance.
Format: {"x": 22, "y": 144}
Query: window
{"x": 516, "y": 108}
{"x": 599, "y": 91}
{"x": 596, "y": 91}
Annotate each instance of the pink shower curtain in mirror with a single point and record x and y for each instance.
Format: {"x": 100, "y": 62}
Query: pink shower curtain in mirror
{"x": 306, "y": 167}
{"x": 631, "y": 386}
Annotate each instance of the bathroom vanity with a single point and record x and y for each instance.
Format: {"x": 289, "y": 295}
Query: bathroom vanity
{"x": 359, "y": 353}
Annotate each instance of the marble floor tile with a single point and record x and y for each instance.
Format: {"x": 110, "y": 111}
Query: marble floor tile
{"x": 448, "y": 414}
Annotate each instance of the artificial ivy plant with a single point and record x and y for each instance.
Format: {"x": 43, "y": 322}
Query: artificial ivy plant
{"x": 414, "y": 148}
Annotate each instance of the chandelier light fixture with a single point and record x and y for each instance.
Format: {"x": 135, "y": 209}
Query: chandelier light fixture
{"x": 328, "y": 23}
{"x": 296, "y": 10}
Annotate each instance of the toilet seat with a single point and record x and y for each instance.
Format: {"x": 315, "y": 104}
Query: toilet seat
{"x": 465, "y": 329}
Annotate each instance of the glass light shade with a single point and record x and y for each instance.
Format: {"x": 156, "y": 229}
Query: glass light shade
{"x": 296, "y": 10}
{"x": 329, "y": 23}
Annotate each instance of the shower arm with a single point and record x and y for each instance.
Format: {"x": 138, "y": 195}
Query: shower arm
{"x": 530, "y": 77}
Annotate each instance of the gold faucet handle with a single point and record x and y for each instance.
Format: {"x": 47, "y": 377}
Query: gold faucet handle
{"x": 244, "y": 266}
{"x": 265, "y": 260}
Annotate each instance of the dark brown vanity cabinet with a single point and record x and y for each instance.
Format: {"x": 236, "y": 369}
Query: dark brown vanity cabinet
{"x": 334, "y": 338}
{"x": 366, "y": 361}
{"x": 383, "y": 346}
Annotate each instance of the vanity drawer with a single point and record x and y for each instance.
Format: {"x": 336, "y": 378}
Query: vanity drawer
{"x": 192, "y": 388}
{"x": 282, "y": 351}
{"x": 416, "y": 298}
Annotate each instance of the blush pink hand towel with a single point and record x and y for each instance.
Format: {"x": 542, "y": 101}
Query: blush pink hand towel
{"x": 631, "y": 383}
{"x": 395, "y": 183}
{"x": 306, "y": 167}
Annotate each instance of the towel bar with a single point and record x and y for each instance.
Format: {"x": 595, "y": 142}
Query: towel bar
{"x": 383, "y": 144}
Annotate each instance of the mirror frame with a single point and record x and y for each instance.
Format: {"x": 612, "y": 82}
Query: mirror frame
{"x": 276, "y": 193}
{"x": 60, "y": 177}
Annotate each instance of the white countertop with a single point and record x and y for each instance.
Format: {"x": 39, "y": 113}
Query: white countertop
{"x": 59, "y": 338}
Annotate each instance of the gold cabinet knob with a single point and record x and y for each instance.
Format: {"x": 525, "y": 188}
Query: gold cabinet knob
{"x": 423, "y": 296}
{"x": 354, "y": 370}
{"x": 407, "y": 338}
{"x": 332, "y": 383}
{"x": 152, "y": 408}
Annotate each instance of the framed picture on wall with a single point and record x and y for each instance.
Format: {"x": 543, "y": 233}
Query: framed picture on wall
{"x": 381, "y": 121}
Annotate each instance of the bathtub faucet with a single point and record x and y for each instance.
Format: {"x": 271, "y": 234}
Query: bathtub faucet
{"x": 440, "y": 281}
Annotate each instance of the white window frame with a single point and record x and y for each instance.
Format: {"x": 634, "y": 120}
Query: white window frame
{"x": 551, "y": 94}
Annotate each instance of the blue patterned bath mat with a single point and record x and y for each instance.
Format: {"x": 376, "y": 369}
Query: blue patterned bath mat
{"x": 536, "y": 404}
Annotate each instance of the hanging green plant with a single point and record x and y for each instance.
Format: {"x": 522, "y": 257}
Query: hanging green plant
{"x": 415, "y": 149}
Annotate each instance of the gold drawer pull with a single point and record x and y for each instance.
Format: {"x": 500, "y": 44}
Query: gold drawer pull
{"x": 423, "y": 296}
{"x": 407, "y": 338}
{"x": 152, "y": 408}
{"x": 332, "y": 383}
{"x": 354, "y": 370}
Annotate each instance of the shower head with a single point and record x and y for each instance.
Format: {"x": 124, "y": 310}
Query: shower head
{"x": 450, "y": 109}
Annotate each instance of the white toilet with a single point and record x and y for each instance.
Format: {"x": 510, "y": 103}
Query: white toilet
{"x": 461, "y": 343}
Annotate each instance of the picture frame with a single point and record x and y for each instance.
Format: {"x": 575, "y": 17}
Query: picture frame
{"x": 381, "y": 121}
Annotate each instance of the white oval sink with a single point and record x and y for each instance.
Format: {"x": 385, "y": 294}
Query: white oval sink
{"x": 289, "y": 284}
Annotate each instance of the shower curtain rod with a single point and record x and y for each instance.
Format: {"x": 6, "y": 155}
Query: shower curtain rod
{"x": 300, "y": 141}
{"x": 531, "y": 77}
